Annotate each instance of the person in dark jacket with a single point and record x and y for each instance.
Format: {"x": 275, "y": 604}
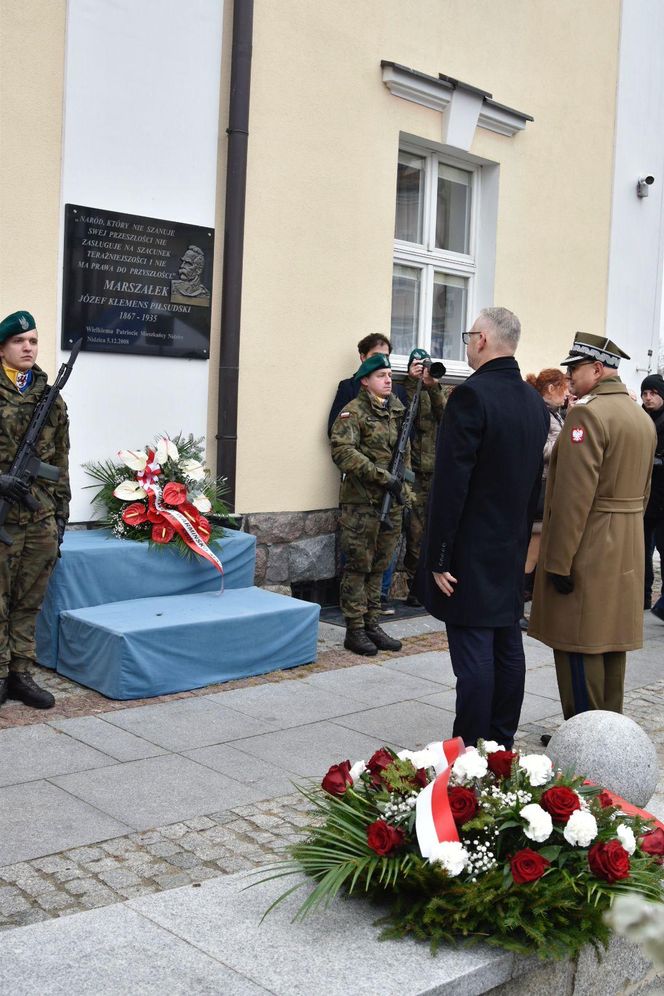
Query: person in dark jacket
{"x": 482, "y": 504}
{"x": 652, "y": 396}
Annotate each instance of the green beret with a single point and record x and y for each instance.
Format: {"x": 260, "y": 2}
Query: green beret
{"x": 16, "y": 324}
{"x": 376, "y": 362}
{"x": 418, "y": 354}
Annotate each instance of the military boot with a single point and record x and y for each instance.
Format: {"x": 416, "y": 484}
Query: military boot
{"x": 380, "y": 639}
{"x": 358, "y": 641}
{"x": 22, "y": 686}
{"x": 4, "y": 687}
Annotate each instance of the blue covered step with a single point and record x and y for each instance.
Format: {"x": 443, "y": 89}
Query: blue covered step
{"x": 154, "y": 646}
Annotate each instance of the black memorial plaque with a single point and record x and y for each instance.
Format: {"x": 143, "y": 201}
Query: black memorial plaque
{"x": 136, "y": 285}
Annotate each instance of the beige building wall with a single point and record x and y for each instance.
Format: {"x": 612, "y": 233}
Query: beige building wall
{"x": 32, "y": 38}
{"x": 324, "y": 134}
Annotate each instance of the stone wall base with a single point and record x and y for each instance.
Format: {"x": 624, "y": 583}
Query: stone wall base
{"x": 294, "y": 547}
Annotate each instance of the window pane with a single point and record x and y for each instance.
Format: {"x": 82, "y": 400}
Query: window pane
{"x": 410, "y": 198}
{"x": 405, "y": 308}
{"x": 453, "y": 209}
{"x": 449, "y": 316}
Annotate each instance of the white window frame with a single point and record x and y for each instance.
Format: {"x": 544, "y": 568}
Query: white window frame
{"x": 430, "y": 260}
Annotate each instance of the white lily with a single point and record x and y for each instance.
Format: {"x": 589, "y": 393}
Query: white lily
{"x": 129, "y": 491}
{"x": 166, "y": 450}
{"x": 193, "y": 469}
{"x": 134, "y": 459}
{"x": 202, "y": 503}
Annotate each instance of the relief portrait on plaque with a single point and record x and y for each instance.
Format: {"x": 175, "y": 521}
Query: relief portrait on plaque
{"x": 189, "y": 289}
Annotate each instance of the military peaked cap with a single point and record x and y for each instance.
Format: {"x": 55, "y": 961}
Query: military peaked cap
{"x": 16, "y": 324}
{"x": 372, "y": 363}
{"x": 587, "y": 346}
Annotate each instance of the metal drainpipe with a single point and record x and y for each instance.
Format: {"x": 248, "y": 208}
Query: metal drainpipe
{"x": 231, "y": 281}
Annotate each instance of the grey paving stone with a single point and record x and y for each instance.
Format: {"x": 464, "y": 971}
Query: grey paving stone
{"x": 645, "y": 669}
{"x": 408, "y": 724}
{"x": 536, "y": 653}
{"x": 187, "y": 723}
{"x": 32, "y": 752}
{"x": 308, "y": 751}
{"x": 339, "y": 946}
{"x": 372, "y": 684}
{"x": 284, "y": 704}
{"x": 264, "y": 780}
{"x": 542, "y": 681}
{"x": 110, "y": 739}
{"x": 111, "y": 951}
{"x": 38, "y": 818}
{"x": 156, "y": 791}
{"x": 417, "y": 626}
{"x": 434, "y": 665}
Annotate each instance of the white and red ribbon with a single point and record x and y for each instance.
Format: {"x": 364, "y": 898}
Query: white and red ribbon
{"x": 186, "y": 530}
{"x": 433, "y": 816}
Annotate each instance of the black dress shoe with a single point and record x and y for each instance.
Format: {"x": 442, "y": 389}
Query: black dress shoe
{"x": 23, "y": 687}
{"x": 380, "y": 639}
{"x": 658, "y": 611}
{"x": 544, "y": 739}
{"x": 4, "y": 688}
{"x": 359, "y": 643}
{"x": 523, "y": 624}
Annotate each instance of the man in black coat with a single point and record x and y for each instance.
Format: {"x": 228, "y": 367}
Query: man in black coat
{"x": 483, "y": 499}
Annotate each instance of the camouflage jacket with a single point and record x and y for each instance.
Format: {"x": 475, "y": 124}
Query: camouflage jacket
{"x": 423, "y": 439}
{"x": 364, "y": 437}
{"x": 53, "y": 446}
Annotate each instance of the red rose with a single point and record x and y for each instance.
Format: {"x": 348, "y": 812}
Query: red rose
{"x": 421, "y": 778}
{"x": 500, "y": 762}
{"x": 380, "y": 760}
{"x": 135, "y": 514}
{"x": 463, "y": 804}
{"x": 560, "y": 802}
{"x": 527, "y": 866}
{"x": 604, "y": 799}
{"x": 609, "y": 861}
{"x": 383, "y": 838}
{"x": 653, "y": 843}
{"x": 337, "y": 779}
{"x": 162, "y": 532}
{"x": 174, "y": 493}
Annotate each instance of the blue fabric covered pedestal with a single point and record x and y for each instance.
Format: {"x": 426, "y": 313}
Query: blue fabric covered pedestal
{"x": 154, "y": 646}
{"x": 96, "y": 567}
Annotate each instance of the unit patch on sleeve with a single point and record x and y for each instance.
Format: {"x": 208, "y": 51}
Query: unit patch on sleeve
{"x": 578, "y": 434}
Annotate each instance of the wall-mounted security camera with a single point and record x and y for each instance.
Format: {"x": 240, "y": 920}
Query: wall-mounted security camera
{"x": 642, "y": 185}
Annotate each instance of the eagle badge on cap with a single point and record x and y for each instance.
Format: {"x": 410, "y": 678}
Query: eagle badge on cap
{"x": 24, "y": 323}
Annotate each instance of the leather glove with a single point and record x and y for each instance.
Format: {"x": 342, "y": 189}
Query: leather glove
{"x": 12, "y": 488}
{"x": 395, "y": 487}
{"x": 563, "y": 583}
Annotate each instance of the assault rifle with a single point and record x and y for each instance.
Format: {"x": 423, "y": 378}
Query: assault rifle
{"x": 26, "y": 464}
{"x": 398, "y": 462}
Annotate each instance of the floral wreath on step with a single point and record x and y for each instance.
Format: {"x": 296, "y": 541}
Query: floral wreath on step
{"x": 477, "y": 844}
{"x": 162, "y": 495}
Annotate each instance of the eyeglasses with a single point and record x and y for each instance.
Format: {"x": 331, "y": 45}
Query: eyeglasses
{"x": 466, "y": 336}
{"x": 575, "y": 366}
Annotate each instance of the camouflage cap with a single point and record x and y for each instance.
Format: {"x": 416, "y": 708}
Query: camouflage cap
{"x": 16, "y": 324}
{"x": 587, "y": 346}
{"x": 371, "y": 364}
{"x": 418, "y": 354}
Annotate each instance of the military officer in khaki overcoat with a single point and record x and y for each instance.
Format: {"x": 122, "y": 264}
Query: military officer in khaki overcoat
{"x": 363, "y": 439}
{"x": 588, "y": 599}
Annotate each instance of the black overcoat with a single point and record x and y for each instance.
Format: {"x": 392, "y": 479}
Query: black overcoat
{"x": 483, "y": 497}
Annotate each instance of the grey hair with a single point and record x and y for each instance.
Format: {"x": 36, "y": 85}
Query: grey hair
{"x": 505, "y": 324}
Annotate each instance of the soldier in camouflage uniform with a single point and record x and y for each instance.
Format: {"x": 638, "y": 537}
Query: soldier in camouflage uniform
{"x": 363, "y": 439}
{"x": 423, "y": 451}
{"x": 26, "y": 565}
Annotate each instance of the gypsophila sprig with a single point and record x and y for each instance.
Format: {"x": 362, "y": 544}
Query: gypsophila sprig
{"x": 476, "y": 843}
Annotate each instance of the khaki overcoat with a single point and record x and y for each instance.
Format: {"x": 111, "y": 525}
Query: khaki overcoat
{"x": 598, "y": 484}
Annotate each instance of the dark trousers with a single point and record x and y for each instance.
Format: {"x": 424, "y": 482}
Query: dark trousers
{"x": 653, "y": 533}
{"x": 490, "y": 669}
{"x": 590, "y": 681}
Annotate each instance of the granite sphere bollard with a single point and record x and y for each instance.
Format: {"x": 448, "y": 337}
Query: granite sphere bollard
{"x": 609, "y": 749}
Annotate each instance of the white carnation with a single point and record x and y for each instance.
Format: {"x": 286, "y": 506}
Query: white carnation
{"x": 626, "y": 837}
{"x": 452, "y": 855}
{"x": 424, "y": 758}
{"x": 469, "y": 765}
{"x": 539, "y": 822}
{"x": 358, "y": 769}
{"x": 490, "y": 746}
{"x": 538, "y": 767}
{"x": 580, "y": 828}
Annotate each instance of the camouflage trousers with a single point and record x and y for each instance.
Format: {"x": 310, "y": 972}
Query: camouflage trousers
{"x": 416, "y": 522}
{"x": 368, "y": 551}
{"x": 25, "y": 568}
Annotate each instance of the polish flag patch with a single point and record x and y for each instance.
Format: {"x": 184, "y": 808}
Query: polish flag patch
{"x": 578, "y": 435}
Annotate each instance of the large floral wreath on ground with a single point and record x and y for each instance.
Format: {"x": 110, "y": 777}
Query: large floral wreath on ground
{"x": 482, "y": 844}
{"x": 136, "y": 498}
